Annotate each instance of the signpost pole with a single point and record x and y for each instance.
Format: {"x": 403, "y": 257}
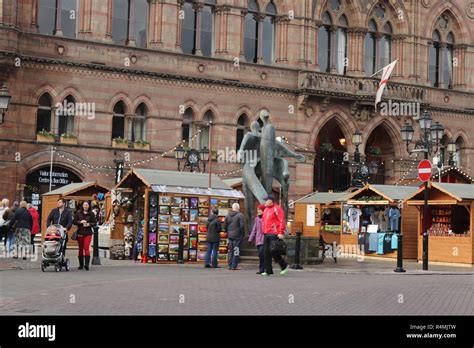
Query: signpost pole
{"x": 424, "y": 173}
{"x": 51, "y": 168}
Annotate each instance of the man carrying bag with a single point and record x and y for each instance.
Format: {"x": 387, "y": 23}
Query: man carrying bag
{"x": 273, "y": 221}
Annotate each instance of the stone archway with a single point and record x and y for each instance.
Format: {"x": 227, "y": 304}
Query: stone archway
{"x": 379, "y": 148}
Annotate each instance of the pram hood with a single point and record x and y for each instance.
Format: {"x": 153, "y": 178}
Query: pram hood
{"x": 56, "y": 227}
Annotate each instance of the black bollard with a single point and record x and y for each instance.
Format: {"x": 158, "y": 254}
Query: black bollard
{"x": 399, "y": 268}
{"x": 297, "y": 251}
{"x": 181, "y": 246}
{"x": 95, "y": 253}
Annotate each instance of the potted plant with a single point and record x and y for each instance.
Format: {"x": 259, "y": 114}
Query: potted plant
{"x": 68, "y": 138}
{"x": 141, "y": 144}
{"x": 376, "y": 151}
{"x": 45, "y": 136}
{"x": 120, "y": 143}
{"x": 214, "y": 155}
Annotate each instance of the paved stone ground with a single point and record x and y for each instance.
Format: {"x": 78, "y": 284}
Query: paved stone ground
{"x": 124, "y": 288}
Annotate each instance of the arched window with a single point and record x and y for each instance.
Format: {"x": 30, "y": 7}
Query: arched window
{"x": 434, "y": 49}
{"x": 204, "y": 137}
{"x": 251, "y": 33}
{"x": 370, "y": 49}
{"x": 269, "y": 34}
{"x": 43, "y": 115}
{"x": 242, "y": 128}
{"x": 58, "y": 17}
{"x": 137, "y": 124}
{"x": 129, "y": 22}
{"x": 66, "y": 116}
{"x": 187, "y": 126}
{"x": 118, "y": 121}
{"x": 196, "y": 23}
{"x": 324, "y": 44}
{"x": 378, "y": 41}
{"x": 341, "y": 45}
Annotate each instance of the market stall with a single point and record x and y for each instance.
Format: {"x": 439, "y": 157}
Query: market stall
{"x": 323, "y": 213}
{"x": 377, "y": 213}
{"x": 450, "y": 221}
{"x": 73, "y": 194}
{"x": 164, "y": 202}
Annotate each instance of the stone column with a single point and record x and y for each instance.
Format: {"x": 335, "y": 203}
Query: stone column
{"x": 355, "y": 48}
{"x": 34, "y": 16}
{"x": 131, "y": 19}
{"x": 459, "y": 66}
{"x": 333, "y": 51}
{"x": 442, "y": 58}
{"x": 260, "y": 17}
{"x": 243, "y": 13}
{"x": 198, "y": 8}
{"x": 315, "y": 29}
{"x": 58, "y": 30}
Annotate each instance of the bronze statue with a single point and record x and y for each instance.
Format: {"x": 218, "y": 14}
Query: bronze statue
{"x": 269, "y": 164}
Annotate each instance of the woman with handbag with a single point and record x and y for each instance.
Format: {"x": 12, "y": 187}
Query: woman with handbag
{"x": 85, "y": 220}
{"x": 273, "y": 224}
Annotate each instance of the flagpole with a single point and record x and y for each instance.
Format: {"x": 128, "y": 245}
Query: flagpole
{"x": 396, "y": 60}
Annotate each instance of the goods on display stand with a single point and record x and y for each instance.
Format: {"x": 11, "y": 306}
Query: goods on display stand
{"x": 178, "y": 200}
{"x": 450, "y": 221}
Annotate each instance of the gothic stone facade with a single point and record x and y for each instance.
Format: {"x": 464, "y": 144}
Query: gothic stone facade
{"x": 299, "y": 96}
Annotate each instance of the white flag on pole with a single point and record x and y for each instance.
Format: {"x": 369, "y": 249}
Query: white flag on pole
{"x": 386, "y": 72}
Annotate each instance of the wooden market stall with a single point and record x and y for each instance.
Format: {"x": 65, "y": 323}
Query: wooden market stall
{"x": 169, "y": 200}
{"x": 73, "y": 194}
{"x": 450, "y": 222}
{"x": 379, "y": 212}
{"x": 310, "y": 217}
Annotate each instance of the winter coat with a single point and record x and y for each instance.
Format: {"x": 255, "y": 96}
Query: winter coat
{"x": 90, "y": 219}
{"x": 234, "y": 225}
{"x": 213, "y": 229}
{"x": 21, "y": 219}
{"x": 257, "y": 232}
{"x": 64, "y": 219}
{"x": 273, "y": 220}
{"x": 35, "y": 216}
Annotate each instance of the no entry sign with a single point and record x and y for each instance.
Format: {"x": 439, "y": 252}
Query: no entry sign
{"x": 424, "y": 170}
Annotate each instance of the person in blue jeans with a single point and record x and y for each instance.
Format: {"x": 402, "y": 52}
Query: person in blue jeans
{"x": 234, "y": 225}
{"x": 213, "y": 238}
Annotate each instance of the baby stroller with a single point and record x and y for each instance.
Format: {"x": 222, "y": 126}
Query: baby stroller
{"x": 53, "y": 248}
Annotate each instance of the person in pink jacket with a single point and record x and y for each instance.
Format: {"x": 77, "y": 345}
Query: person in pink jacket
{"x": 273, "y": 222}
{"x": 35, "y": 228}
{"x": 257, "y": 235}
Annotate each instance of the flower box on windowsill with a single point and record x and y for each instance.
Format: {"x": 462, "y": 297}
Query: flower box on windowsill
{"x": 141, "y": 146}
{"x": 121, "y": 144}
{"x": 44, "y": 138}
{"x": 68, "y": 140}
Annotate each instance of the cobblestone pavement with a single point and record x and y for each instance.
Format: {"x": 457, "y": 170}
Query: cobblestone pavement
{"x": 124, "y": 288}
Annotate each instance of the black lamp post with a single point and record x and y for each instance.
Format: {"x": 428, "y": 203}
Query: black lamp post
{"x": 451, "y": 152}
{"x": 4, "y": 102}
{"x": 192, "y": 158}
{"x": 360, "y": 170}
{"x": 430, "y": 136}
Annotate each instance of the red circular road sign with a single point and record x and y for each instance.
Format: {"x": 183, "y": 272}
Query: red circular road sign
{"x": 424, "y": 170}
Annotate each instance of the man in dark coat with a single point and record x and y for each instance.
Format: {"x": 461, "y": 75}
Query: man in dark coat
{"x": 234, "y": 225}
{"x": 213, "y": 238}
{"x": 61, "y": 215}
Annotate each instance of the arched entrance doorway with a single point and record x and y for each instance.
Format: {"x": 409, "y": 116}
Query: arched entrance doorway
{"x": 37, "y": 182}
{"x": 330, "y": 173}
{"x": 380, "y": 149}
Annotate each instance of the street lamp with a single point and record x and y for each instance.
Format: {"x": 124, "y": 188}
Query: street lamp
{"x": 430, "y": 136}
{"x": 357, "y": 140}
{"x": 358, "y": 169}
{"x": 204, "y": 156}
{"x": 179, "y": 153}
{"x": 4, "y": 102}
{"x": 451, "y": 152}
{"x": 192, "y": 158}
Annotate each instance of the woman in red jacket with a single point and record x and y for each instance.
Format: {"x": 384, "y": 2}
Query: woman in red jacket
{"x": 35, "y": 228}
{"x": 273, "y": 225}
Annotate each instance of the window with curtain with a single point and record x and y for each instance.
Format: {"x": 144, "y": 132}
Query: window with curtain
{"x": 118, "y": 121}
{"x": 324, "y": 44}
{"x": 242, "y": 128}
{"x": 207, "y": 28}
{"x": 269, "y": 34}
{"x": 52, "y": 17}
{"x": 448, "y": 61}
{"x": 129, "y": 21}
{"x": 187, "y": 126}
{"x": 370, "y": 48}
{"x": 457, "y": 156}
{"x": 434, "y": 51}
{"x": 188, "y": 28}
{"x": 137, "y": 124}
{"x": 204, "y": 137}
{"x": 341, "y": 44}
{"x": 251, "y": 33}
{"x": 43, "y": 114}
{"x": 66, "y": 121}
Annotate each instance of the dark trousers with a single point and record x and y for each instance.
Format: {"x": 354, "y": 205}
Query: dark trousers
{"x": 261, "y": 258}
{"x": 211, "y": 254}
{"x": 268, "y": 255}
{"x": 3, "y": 234}
{"x": 234, "y": 252}
{"x": 33, "y": 242}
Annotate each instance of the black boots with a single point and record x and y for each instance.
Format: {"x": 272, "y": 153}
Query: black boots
{"x": 86, "y": 265}
{"x": 81, "y": 262}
